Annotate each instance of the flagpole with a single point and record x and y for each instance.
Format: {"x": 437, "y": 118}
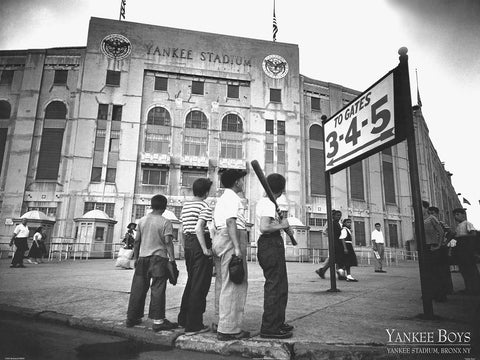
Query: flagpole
{"x": 275, "y": 27}
{"x": 122, "y": 10}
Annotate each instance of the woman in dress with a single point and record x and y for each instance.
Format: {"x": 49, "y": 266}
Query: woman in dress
{"x": 35, "y": 253}
{"x": 349, "y": 258}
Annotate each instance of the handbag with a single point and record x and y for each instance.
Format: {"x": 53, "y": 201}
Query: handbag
{"x": 235, "y": 269}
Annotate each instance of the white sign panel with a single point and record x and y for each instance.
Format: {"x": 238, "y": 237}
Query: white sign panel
{"x": 364, "y": 124}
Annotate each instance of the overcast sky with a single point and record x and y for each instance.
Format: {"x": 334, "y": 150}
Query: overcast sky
{"x": 348, "y": 42}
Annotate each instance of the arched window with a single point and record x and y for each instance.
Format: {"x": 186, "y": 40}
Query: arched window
{"x": 317, "y": 160}
{"x": 158, "y": 116}
{"x": 231, "y": 137}
{"x": 196, "y": 120}
{"x": 52, "y": 138}
{"x": 56, "y": 110}
{"x": 4, "y": 109}
{"x": 232, "y": 123}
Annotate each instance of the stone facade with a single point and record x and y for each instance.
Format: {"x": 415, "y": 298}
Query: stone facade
{"x": 149, "y": 108}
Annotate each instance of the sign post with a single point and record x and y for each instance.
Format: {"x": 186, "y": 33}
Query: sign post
{"x": 378, "y": 118}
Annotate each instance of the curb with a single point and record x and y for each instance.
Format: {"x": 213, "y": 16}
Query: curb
{"x": 207, "y": 343}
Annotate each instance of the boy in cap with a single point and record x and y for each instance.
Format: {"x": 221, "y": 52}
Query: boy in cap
{"x": 271, "y": 256}
{"x": 230, "y": 239}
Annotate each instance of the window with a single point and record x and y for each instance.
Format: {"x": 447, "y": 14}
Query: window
{"x": 280, "y": 127}
{"x": 317, "y": 161}
{"x": 111, "y": 174}
{"x": 359, "y": 233}
{"x": 5, "y": 109}
{"x": 269, "y": 152}
{"x": 195, "y": 146}
{"x": 107, "y": 208}
{"x": 231, "y": 149}
{"x": 7, "y": 77}
{"x": 113, "y": 78}
{"x": 102, "y": 112}
{"x": 281, "y": 153}
{"x": 100, "y": 140}
{"x": 316, "y": 220}
{"x": 114, "y": 141}
{"x": 189, "y": 176}
{"x": 154, "y": 177}
{"x": 393, "y": 235}
{"x": 161, "y": 83}
{"x": 56, "y": 110}
{"x": 139, "y": 211}
{"x": 315, "y": 103}
{"x": 49, "y": 211}
{"x": 232, "y": 123}
{"x": 196, "y": 120}
{"x": 276, "y": 95}
{"x": 157, "y": 144}
{"x": 50, "y": 154}
{"x": 356, "y": 181}
{"x": 269, "y": 127}
{"x": 233, "y": 91}
{"x": 96, "y": 174}
{"x": 60, "y": 77}
{"x": 387, "y": 151}
{"x": 389, "y": 182}
{"x": 117, "y": 113}
{"x": 99, "y": 231}
{"x": 158, "y": 116}
{"x": 3, "y": 144}
{"x": 197, "y": 87}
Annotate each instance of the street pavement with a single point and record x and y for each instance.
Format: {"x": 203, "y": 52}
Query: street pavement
{"x": 350, "y": 324}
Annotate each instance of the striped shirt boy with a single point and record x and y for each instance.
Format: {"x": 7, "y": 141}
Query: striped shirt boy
{"x": 191, "y": 212}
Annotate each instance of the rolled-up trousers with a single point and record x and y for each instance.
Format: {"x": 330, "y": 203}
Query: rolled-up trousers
{"x": 230, "y": 298}
{"x": 21, "y": 246}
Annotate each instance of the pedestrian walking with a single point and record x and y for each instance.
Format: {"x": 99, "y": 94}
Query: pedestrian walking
{"x": 35, "y": 253}
{"x": 129, "y": 237}
{"x": 230, "y": 239}
{"x": 153, "y": 249}
{"x": 463, "y": 243}
{"x": 271, "y": 257}
{"x": 19, "y": 238}
{"x": 378, "y": 247}
{"x": 349, "y": 257}
{"x": 338, "y": 248}
{"x": 198, "y": 258}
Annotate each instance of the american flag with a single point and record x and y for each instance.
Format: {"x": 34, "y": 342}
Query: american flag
{"x": 122, "y": 9}
{"x": 275, "y": 28}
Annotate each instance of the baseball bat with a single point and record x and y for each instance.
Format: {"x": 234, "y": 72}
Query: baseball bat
{"x": 263, "y": 180}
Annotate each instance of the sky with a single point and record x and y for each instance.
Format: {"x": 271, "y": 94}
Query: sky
{"x": 348, "y": 42}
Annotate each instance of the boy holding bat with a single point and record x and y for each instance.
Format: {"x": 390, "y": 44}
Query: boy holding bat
{"x": 271, "y": 257}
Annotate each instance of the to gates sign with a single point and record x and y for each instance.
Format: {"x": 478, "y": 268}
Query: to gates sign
{"x": 363, "y": 125}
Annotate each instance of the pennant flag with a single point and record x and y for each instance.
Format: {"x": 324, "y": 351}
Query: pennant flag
{"x": 122, "y": 9}
{"x": 419, "y": 101}
{"x": 465, "y": 201}
{"x": 275, "y": 27}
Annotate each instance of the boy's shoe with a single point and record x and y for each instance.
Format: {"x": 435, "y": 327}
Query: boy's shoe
{"x": 351, "y": 278}
{"x": 321, "y": 273}
{"x": 132, "y": 322}
{"x": 281, "y": 334}
{"x": 166, "y": 325}
{"x": 204, "y": 329}
{"x": 286, "y": 327}
{"x": 228, "y": 337}
{"x": 214, "y": 328}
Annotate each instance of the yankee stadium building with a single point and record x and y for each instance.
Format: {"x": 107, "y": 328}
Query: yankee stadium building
{"x": 145, "y": 109}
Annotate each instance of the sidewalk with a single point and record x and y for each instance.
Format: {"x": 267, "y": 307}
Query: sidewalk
{"x": 350, "y": 324}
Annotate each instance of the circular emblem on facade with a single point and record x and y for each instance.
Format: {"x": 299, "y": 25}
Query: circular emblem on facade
{"x": 116, "y": 46}
{"x": 275, "y": 66}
